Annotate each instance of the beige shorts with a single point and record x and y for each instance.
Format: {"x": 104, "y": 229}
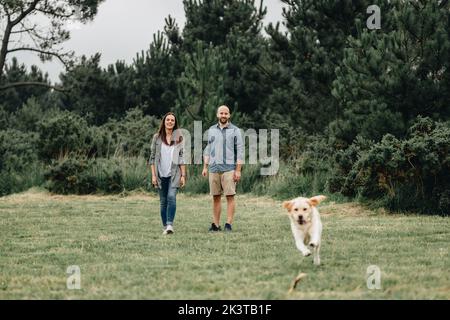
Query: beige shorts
{"x": 222, "y": 182}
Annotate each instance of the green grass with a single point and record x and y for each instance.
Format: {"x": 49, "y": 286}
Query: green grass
{"x": 117, "y": 243}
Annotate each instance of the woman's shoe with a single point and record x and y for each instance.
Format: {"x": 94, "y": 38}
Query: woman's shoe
{"x": 169, "y": 229}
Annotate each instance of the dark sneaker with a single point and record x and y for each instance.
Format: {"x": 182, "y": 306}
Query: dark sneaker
{"x": 228, "y": 227}
{"x": 214, "y": 228}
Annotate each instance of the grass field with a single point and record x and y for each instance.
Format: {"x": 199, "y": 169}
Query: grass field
{"x": 117, "y": 243}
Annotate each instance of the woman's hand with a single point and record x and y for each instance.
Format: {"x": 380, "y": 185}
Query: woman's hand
{"x": 154, "y": 181}
{"x": 182, "y": 181}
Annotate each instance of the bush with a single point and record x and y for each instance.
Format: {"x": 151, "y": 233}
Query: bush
{"x": 17, "y": 150}
{"x": 62, "y": 134}
{"x": 410, "y": 174}
{"x": 119, "y": 174}
{"x": 4, "y": 117}
{"x": 69, "y": 176}
{"x": 29, "y": 115}
{"x": 290, "y": 183}
{"x": 107, "y": 174}
{"x": 342, "y": 174}
{"x": 14, "y": 181}
{"x": 131, "y": 136}
{"x": 86, "y": 176}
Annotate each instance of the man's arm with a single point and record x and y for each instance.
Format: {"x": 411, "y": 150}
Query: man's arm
{"x": 239, "y": 155}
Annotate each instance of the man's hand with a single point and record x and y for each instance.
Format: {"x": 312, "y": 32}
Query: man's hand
{"x": 236, "y": 176}
{"x": 205, "y": 172}
{"x": 182, "y": 181}
{"x": 154, "y": 181}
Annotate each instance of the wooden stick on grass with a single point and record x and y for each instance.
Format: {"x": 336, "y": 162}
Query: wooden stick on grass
{"x": 297, "y": 279}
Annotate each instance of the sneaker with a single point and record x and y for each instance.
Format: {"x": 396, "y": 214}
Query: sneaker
{"x": 164, "y": 230}
{"x": 228, "y": 227}
{"x": 214, "y": 228}
{"x": 169, "y": 229}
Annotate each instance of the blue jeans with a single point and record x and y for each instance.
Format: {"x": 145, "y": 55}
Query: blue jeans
{"x": 168, "y": 201}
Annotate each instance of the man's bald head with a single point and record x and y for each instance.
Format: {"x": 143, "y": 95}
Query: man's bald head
{"x": 223, "y": 114}
{"x": 224, "y": 108}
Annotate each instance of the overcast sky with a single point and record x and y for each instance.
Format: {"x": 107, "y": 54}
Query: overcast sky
{"x": 123, "y": 28}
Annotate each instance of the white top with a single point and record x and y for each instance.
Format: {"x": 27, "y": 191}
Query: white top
{"x": 166, "y": 160}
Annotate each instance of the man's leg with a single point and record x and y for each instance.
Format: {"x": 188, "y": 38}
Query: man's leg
{"x": 216, "y": 192}
{"x": 231, "y": 204}
{"x": 217, "y": 207}
{"x": 229, "y": 186}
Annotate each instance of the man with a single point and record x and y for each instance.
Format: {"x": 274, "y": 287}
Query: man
{"x": 224, "y": 155}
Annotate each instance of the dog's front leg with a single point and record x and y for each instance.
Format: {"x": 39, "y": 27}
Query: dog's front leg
{"x": 317, "y": 255}
{"x": 315, "y": 238}
{"x": 299, "y": 237}
{"x": 315, "y": 231}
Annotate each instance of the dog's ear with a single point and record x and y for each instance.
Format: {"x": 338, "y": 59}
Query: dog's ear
{"x": 314, "y": 201}
{"x": 288, "y": 205}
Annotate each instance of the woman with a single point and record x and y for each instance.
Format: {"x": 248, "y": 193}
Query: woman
{"x": 168, "y": 169}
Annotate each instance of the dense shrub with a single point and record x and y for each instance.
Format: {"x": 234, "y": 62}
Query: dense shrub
{"x": 101, "y": 175}
{"x": 107, "y": 174}
{"x": 18, "y": 181}
{"x": 17, "y": 150}
{"x": 61, "y": 134}
{"x": 29, "y": 115}
{"x": 131, "y": 136}
{"x": 408, "y": 174}
{"x": 342, "y": 174}
{"x": 119, "y": 174}
{"x": 69, "y": 175}
{"x": 4, "y": 117}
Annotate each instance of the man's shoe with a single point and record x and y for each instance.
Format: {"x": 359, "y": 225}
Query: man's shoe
{"x": 228, "y": 227}
{"x": 214, "y": 228}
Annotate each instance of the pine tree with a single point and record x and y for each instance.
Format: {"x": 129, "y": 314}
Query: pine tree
{"x": 234, "y": 28}
{"x": 14, "y": 97}
{"x": 388, "y": 77}
{"x": 211, "y": 21}
{"x": 307, "y": 55}
{"x": 201, "y": 85}
{"x": 156, "y": 71}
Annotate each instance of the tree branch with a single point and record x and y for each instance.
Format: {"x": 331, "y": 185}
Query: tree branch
{"x": 54, "y": 14}
{"x": 26, "y": 84}
{"x": 24, "y": 30}
{"x": 23, "y": 14}
{"x": 8, "y": 15}
{"x": 40, "y": 51}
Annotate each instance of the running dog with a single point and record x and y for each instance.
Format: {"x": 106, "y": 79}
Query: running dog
{"x": 306, "y": 225}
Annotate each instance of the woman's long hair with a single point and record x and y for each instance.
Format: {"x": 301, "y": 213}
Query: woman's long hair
{"x": 162, "y": 129}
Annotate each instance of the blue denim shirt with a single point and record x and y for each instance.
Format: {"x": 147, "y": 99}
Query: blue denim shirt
{"x": 225, "y": 147}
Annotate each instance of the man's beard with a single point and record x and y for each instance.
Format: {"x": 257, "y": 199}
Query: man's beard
{"x": 223, "y": 120}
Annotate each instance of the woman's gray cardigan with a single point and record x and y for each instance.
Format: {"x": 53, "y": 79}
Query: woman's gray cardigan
{"x": 177, "y": 161}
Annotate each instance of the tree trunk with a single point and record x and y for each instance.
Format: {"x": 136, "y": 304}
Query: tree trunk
{"x": 4, "y": 48}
